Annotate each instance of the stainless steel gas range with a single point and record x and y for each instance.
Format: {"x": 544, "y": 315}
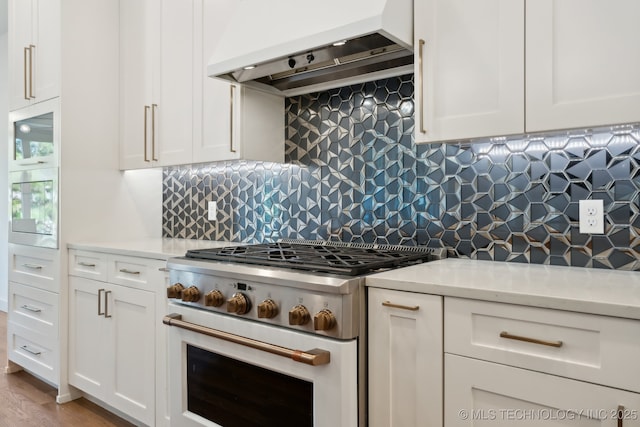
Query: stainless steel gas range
{"x": 273, "y": 334}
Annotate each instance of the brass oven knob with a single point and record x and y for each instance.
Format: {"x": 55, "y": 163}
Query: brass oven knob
{"x": 238, "y": 304}
{"x": 324, "y": 320}
{"x": 213, "y": 298}
{"x": 299, "y": 315}
{"x": 267, "y": 309}
{"x": 175, "y": 290}
{"x": 191, "y": 294}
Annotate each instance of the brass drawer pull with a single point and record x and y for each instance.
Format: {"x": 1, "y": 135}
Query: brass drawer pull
{"x": 401, "y": 307}
{"x": 127, "y": 271}
{"x": 507, "y": 335}
{"x": 28, "y": 350}
{"x": 32, "y": 266}
{"x": 164, "y": 269}
{"x": 313, "y": 357}
{"x": 31, "y": 308}
{"x": 86, "y": 264}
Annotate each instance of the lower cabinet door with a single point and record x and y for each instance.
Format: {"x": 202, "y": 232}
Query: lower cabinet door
{"x": 131, "y": 316}
{"x": 479, "y": 393}
{"x": 88, "y": 335}
{"x": 112, "y": 341}
{"x": 405, "y": 359}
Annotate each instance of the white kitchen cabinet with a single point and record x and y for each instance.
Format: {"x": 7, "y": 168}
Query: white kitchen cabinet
{"x": 113, "y": 325}
{"x": 171, "y": 112}
{"x": 483, "y": 393}
{"x": 470, "y": 70}
{"x": 156, "y": 86}
{"x": 404, "y": 358}
{"x": 500, "y": 67}
{"x": 32, "y": 330}
{"x": 34, "y": 51}
{"x": 515, "y": 365}
{"x": 237, "y": 122}
{"x": 581, "y": 57}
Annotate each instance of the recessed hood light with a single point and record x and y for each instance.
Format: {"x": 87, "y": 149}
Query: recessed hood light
{"x": 340, "y": 43}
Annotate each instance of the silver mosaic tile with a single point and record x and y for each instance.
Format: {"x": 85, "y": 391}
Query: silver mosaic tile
{"x": 353, "y": 173}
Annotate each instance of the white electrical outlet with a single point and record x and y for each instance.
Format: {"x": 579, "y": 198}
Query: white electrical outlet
{"x": 212, "y": 211}
{"x": 591, "y": 216}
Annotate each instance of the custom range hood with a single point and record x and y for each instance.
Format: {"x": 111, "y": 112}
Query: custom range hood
{"x": 300, "y": 46}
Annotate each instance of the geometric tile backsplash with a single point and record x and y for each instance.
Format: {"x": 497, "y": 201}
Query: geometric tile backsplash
{"x": 353, "y": 173}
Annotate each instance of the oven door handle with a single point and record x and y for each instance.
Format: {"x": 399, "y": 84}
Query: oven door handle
{"x": 313, "y": 357}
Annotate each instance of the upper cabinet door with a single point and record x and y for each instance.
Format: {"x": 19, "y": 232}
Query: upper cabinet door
{"x": 34, "y": 51}
{"x": 217, "y": 100}
{"x": 237, "y": 122}
{"x": 583, "y": 58}
{"x": 175, "y": 85}
{"x": 469, "y": 70}
{"x": 137, "y": 55}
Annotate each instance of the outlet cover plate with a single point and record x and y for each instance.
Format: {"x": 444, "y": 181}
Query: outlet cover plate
{"x": 591, "y": 217}
{"x": 212, "y": 211}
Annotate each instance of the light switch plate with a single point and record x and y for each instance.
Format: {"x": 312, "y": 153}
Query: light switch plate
{"x": 591, "y": 217}
{"x": 212, "y": 211}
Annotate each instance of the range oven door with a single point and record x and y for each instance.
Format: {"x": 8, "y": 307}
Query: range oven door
{"x": 231, "y": 382}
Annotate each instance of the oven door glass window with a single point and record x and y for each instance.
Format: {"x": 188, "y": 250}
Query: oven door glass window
{"x": 33, "y": 137}
{"x": 33, "y": 207}
{"x": 232, "y": 393}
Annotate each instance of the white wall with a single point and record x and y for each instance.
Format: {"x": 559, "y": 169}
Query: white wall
{"x": 4, "y": 196}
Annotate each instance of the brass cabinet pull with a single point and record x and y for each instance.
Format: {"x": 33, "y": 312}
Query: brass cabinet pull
{"x": 146, "y": 113}
{"x": 421, "y": 83}
{"x": 401, "y": 307}
{"x": 26, "y": 72}
{"x": 31, "y": 308}
{"x": 106, "y": 304}
{"x": 28, "y": 350}
{"x": 86, "y": 264}
{"x": 126, "y": 271}
{"x": 32, "y": 266}
{"x": 153, "y": 132}
{"x": 32, "y": 49}
{"x": 100, "y": 312}
{"x": 164, "y": 269}
{"x": 507, "y": 335}
{"x": 232, "y": 89}
{"x": 313, "y": 357}
{"x": 620, "y": 415}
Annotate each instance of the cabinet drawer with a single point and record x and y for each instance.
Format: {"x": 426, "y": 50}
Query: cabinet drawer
{"x": 136, "y": 272}
{"x": 599, "y": 349}
{"x": 92, "y": 265}
{"x": 34, "y": 266}
{"x": 35, "y": 352}
{"x": 34, "y": 308}
{"x": 490, "y": 394}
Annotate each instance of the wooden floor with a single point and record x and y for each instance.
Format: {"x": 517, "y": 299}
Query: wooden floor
{"x": 27, "y": 401}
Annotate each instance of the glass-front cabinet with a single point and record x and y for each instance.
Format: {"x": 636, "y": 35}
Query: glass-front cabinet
{"x": 35, "y": 136}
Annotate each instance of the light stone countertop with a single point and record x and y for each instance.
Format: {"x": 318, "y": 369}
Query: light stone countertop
{"x": 587, "y": 290}
{"x": 154, "y": 248}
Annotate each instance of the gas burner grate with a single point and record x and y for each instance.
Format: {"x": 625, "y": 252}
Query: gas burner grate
{"x": 318, "y": 256}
